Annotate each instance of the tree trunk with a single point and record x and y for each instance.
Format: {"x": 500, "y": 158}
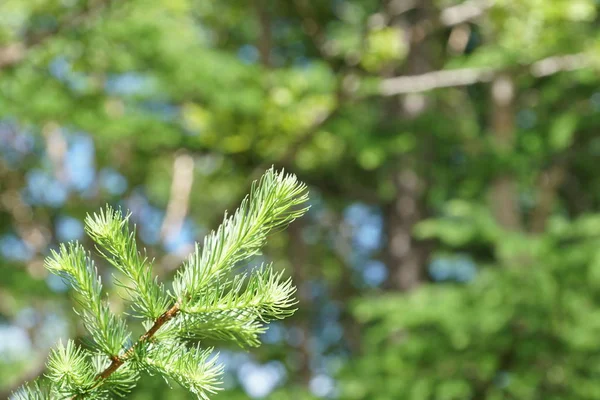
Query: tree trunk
{"x": 548, "y": 186}
{"x": 504, "y": 193}
{"x": 265, "y": 38}
{"x": 406, "y": 257}
{"x": 298, "y": 256}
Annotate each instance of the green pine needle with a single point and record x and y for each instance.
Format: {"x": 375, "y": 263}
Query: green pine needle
{"x": 271, "y": 205}
{"x": 191, "y": 367}
{"x": 209, "y": 301}
{"x": 71, "y": 371}
{"x": 109, "y": 229}
{"x": 109, "y": 332}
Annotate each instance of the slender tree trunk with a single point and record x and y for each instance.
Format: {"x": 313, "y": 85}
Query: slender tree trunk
{"x": 548, "y": 185}
{"x": 298, "y": 255}
{"x": 504, "y": 192}
{"x": 406, "y": 257}
{"x": 264, "y": 44}
{"x": 346, "y": 289}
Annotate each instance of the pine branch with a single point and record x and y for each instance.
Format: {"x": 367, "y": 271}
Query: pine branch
{"x": 117, "y": 362}
{"x": 120, "y": 382}
{"x": 207, "y": 303}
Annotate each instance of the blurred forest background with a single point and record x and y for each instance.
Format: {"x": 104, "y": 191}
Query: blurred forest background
{"x": 452, "y": 150}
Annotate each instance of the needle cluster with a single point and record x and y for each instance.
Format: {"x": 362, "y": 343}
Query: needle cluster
{"x": 210, "y": 299}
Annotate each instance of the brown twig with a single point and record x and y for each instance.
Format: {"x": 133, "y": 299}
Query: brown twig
{"x": 118, "y": 361}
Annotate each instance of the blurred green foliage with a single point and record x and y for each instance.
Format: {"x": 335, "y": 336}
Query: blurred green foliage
{"x": 451, "y": 147}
